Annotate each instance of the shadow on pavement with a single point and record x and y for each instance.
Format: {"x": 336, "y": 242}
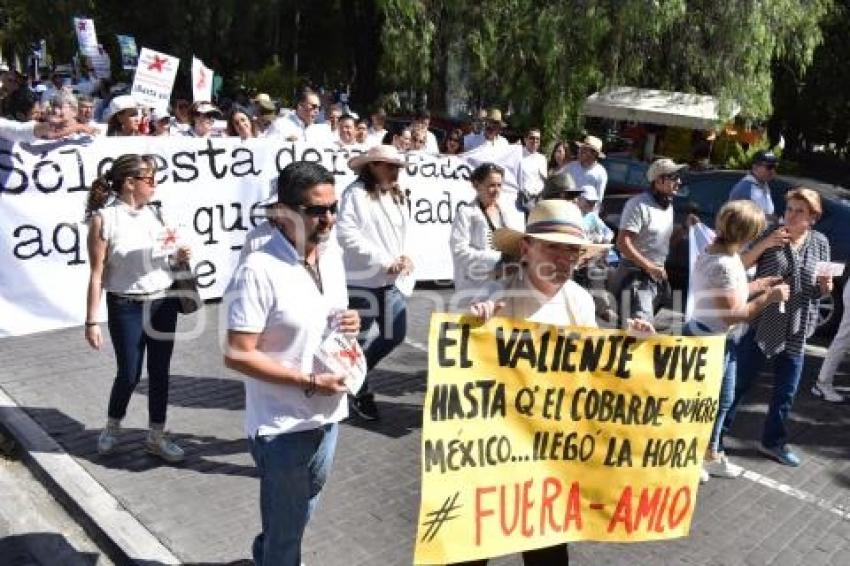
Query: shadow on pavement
{"x": 130, "y": 455}
{"x": 42, "y": 548}
{"x": 201, "y": 392}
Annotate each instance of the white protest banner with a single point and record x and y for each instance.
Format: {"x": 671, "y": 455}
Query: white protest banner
{"x": 210, "y": 187}
{"x": 202, "y": 81}
{"x": 154, "y": 78}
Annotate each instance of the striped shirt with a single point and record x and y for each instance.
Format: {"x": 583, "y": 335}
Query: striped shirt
{"x": 787, "y": 331}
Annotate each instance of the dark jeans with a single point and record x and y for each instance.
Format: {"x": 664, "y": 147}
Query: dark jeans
{"x": 557, "y": 555}
{"x": 293, "y": 468}
{"x": 387, "y": 307}
{"x": 786, "y": 379}
{"x": 638, "y": 295}
{"x": 136, "y": 326}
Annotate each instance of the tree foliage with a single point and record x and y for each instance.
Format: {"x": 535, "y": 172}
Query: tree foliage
{"x": 543, "y": 59}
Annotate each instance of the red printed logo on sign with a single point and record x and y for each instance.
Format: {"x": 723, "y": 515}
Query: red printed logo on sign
{"x": 157, "y": 64}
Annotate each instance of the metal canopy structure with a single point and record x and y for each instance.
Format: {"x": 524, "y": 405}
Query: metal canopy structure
{"x": 666, "y": 108}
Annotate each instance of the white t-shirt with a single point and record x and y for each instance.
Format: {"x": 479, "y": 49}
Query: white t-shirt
{"x": 595, "y": 175}
{"x": 532, "y": 172}
{"x": 572, "y": 305}
{"x": 135, "y": 262}
{"x": 652, "y": 225}
{"x": 715, "y": 273}
{"x": 273, "y": 295}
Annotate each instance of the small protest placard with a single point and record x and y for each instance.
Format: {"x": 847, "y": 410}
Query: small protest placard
{"x": 202, "y": 81}
{"x": 342, "y": 355}
{"x": 154, "y": 78}
{"x": 535, "y": 435}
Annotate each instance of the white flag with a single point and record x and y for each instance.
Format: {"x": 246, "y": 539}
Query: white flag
{"x": 202, "y": 79}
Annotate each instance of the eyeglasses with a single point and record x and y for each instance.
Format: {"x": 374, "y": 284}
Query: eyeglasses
{"x": 318, "y": 210}
{"x": 150, "y": 181}
{"x": 674, "y": 178}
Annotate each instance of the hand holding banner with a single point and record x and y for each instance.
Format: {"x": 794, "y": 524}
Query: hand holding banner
{"x": 536, "y": 435}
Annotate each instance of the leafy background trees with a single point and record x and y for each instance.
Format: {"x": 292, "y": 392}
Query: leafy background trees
{"x": 782, "y": 60}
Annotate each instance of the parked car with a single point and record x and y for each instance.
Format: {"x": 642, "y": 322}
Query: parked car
{"x": 702, "y": 193}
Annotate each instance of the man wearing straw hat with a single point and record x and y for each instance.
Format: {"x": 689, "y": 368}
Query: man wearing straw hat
{"x": 587, "y": 170}
{"x": 552, "y": 246}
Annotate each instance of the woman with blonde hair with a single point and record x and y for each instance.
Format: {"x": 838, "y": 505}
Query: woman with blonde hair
{"x": 130, "y": 260}
{"x": 780, "y": 331}
{"x": 722, "y": 304}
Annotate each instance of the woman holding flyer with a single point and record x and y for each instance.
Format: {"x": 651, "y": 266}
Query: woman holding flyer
{"x": 131, "y": 253}
{"x": 372, "y": 229}
{"x": 781, "y": 330}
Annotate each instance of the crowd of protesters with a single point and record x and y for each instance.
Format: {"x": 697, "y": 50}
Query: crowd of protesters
{"x": 547, "y": 257}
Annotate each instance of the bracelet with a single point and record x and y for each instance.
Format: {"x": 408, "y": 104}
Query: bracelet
{"x": 91, "y": 323}
{"x": 311, "y": 388}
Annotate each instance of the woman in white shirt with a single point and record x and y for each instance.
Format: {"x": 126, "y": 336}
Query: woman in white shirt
{"x": 473, "y": 255}
{"x": 722, "y": 303}
{"x": 131, "y": 255}
{"x": 372, "y": 227}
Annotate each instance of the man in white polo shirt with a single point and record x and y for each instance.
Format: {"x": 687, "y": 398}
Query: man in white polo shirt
{"x": 281, "y": 303}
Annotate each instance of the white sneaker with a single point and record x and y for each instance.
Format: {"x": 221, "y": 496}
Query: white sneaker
{"x": 827, "y": 391}
{"x": 164, "y": 448}
{"x": 721, "y": 467}
{"x": 107, "y": 440}
{"x": 703, "y": 475}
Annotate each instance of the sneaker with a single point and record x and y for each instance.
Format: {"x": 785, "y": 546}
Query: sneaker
{"x": 107, "y": 440}
{"x": 703, "y": 475}
{"x": 781, "y": 454}
{"x": 827, "y": 391}
{"x": 164, "y": 448}
{"x": 721, "y": 467}
{"x": 364, "y": 406}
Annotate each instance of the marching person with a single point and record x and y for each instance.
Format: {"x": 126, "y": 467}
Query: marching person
{"x": 781, "y": 330}
{"x": 839, "y": 347}
{"x": 586, "y": 170}
{"x": 129, "y": 262}
{"x": 646, "y": 225}
{"x": 280, "y": 303}
{"x": 202, "y": 118}
{"x": 472, "y": 232}
{"x": 722, "y": 305}
{"x": 551, "y": 247}
{"x": 372, "y": 231}
{"x": 755, "y": 185}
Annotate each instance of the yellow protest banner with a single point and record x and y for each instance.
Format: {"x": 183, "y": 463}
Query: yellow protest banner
{"x": 535, "y": 435}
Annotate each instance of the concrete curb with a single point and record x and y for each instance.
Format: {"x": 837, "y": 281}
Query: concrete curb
{"x": 126, "y": 539}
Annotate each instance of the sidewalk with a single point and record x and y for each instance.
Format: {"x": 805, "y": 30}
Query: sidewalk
{"x": 205, "y": 511}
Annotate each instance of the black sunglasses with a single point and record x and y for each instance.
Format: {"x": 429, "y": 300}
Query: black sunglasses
{"x": 318, "y": 210}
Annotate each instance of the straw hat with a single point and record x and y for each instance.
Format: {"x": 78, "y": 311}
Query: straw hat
{"x": 378, "y": 153}
{"x": 494, "y": 115}
{"x": 560, "y": 186}
{"x": 557, "y": 221}
{"x": 593, "y": 143}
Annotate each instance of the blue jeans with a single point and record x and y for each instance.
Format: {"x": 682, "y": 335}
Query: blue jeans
{"x": 386, "y": 306}
{"x": 293, "y": 468}
{"x": 787, "y": 370}
{"x": 136, "y": 326}
{"x": 727, "y": 383}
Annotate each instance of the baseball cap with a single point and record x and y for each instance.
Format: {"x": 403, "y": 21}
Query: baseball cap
{"x": 664, "y": 166}
{"x": 765, "y": 156}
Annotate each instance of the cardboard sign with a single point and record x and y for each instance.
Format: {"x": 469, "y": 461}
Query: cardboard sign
{"x": 535, "y": 435}
{"x": 154, "y": 78}
{"x": 202, "y": 81}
